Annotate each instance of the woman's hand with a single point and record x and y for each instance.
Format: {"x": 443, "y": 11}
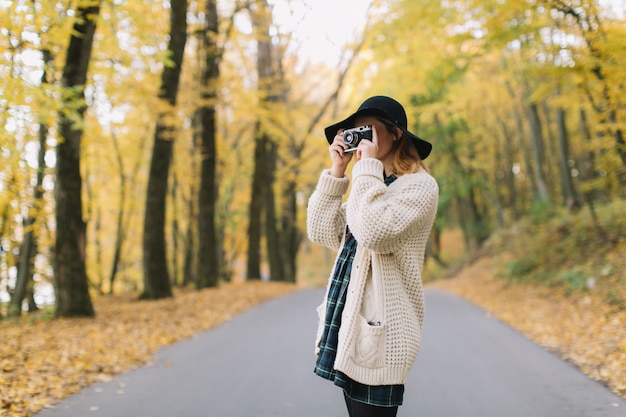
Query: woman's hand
{"x": 368, "y": 148}
{"x": 338, "y": 156}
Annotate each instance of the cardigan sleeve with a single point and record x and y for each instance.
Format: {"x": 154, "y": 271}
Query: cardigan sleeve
{"x": 326, "y": 214}
{"x": 382, "y": 218}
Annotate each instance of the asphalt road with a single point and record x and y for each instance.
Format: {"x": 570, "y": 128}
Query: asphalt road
{"x": 260, "y": 364}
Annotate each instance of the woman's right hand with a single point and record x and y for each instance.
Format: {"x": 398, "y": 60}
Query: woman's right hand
{"x": 338, "y": 156}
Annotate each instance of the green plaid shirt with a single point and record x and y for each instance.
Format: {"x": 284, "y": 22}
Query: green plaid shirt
{"x": 383, "y": 395}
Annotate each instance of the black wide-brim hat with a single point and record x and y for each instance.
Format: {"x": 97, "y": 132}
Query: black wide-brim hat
{"x": 388, "y": 109}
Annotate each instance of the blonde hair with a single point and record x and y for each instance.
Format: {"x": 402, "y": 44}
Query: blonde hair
{"x": 406, "y": 160}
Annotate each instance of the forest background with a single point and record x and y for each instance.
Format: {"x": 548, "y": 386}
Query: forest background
{"x": 152, "y": 145}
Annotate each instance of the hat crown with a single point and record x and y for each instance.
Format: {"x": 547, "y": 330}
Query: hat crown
{"x": 385, "y": 108}
{"x": 394, "y": 110}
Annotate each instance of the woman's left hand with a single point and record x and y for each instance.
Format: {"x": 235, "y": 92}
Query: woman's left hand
{"x": 368, "y": 148}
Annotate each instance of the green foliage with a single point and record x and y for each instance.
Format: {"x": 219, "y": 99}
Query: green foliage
{"x": 615, "y": 298}
{"x": 569, "y": 251}
{"x": 541, "y": 211}
{"x": 574, "y": 279}
{"x": 45, "y": 314}
{"x": 469, "y": 73}
{"x": 519, "y": 269}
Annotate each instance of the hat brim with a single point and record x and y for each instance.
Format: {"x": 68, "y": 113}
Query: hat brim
{"x": 423, "y": 147}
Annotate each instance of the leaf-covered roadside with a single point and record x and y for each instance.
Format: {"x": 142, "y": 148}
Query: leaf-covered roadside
{"x": 42, "y": 361}
{"x": 581, "y": 327}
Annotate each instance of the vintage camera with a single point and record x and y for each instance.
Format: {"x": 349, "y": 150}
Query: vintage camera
{"x": 352, "y": 137}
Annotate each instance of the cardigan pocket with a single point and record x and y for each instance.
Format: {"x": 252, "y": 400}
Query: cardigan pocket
{"x": 369, "y": 349}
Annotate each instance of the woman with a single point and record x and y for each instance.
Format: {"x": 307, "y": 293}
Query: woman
{"x": 371, "y": 318}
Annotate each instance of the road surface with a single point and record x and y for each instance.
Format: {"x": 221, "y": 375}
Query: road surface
{"x": 260, "y": 364}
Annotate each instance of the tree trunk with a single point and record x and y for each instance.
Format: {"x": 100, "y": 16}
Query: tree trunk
{"x": 123, "y": 218}
{"x": 493, "y": 191}
{"x": 155, "y": 269}
{"x": 155, "y": 274}
{"x": 175, "y": 231}
{"x": 607, "y": 111}
{"x": 472, "y": 220}
{"x": 72, "y": 289}
{"x": 620, "y": 142}
{"x": 273, "y": 239}
{"x": 588, "y": 172}
{"x": 528, "y": 170}
{"x": 188, "y": 263}
{"x": 570, "y": 198}
{"x": 536, "y": 146}
{"x": 4, "y": 265}
{"x": 208, "y": 248}
{"x": 261, "y": 177}
{"x": 549, "y": 154}
{"x": 525, "y": 153}
{"x": 120, "y": 232}
{"x": 257, "y": 209}
{"x": 291, "y": 236}
{"x": 433, "y": 247}
{"x": 620, "y": 146}
{"x": 98, "y": 262}
{"x": 588, "y": 169}
{"x": 29, "y": 244}
{"x": 509, "y": 177}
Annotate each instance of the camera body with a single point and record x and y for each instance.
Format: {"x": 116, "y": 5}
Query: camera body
{"x": 352, "y": 137}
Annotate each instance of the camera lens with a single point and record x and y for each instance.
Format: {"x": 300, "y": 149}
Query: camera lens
{"x": 348, "y": 138}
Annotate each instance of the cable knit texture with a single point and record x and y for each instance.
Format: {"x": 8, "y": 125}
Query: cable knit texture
{"x": 382, "y": 319}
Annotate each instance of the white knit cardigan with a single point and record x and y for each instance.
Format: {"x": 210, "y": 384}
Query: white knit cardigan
{"x": 381, "y": 325}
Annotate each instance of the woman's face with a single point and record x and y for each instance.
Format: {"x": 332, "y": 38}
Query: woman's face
{"x": 385, "y": 137}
